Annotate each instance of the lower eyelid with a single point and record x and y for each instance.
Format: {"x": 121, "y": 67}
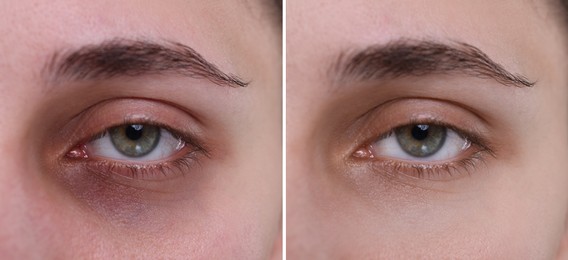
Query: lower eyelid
{"x": 439, "y": 171}
{"x": 148, "y": 172}
{"x": 123, "y": 200}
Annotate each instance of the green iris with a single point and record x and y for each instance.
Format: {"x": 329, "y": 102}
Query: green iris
{"x": 421, "y": 140}
{"x": 135, "y": 140}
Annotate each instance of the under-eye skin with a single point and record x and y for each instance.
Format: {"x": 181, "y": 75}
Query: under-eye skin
{"x": 426, "y": 149}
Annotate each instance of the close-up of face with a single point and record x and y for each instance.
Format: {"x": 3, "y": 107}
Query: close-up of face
{"x": 140, "y": 129}
{"x": 427, "y": 129}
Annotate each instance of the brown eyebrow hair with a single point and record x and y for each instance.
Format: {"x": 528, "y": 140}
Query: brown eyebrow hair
{"x": 122, "y": 57}
{"x": 408, "y": 57}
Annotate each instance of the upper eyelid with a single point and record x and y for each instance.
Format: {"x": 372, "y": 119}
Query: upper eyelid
{"x": 470, "y": 109}
{"x": 432, "y": 104}
{"x": 97, "y": 118}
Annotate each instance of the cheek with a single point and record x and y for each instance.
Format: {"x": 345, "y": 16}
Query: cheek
{"x": 437, "y": 233}
{"x": 235, "y": 230}
{"x": 508, "y": 216}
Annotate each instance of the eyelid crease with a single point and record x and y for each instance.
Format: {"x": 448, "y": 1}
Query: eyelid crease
{"x": 425, "y": 99}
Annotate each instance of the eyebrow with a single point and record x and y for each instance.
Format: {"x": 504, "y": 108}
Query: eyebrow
{"x": 122, "y": 57}
{"x": 420, "y": 58}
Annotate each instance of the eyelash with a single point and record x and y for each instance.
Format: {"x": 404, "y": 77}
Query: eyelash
{"x": 430, "y": 171}
{"x": 423, "y": 171}
{"x": 139, "y": 170}
{"x": 134, "y": 171}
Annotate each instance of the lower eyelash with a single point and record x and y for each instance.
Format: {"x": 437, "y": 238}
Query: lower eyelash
{"x": 434, "y": 171}
{"x": 158, "y": 171}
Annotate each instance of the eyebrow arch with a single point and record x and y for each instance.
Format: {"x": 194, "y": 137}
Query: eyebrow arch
{"x": 122, "y": 57}
{"x": 420, "y": 58}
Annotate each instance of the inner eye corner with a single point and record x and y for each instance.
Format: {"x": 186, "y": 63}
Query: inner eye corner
{"x": 77, "y": 152}
{"x": 362, "y": 152}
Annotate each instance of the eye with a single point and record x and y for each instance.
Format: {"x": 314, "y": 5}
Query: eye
{"x": 429, "y": 150}
{"x": 421, "y": 138}
{"x": 420, "y": 142}
{"x": 139, "y": 150}
{"x": 135, "y": 142}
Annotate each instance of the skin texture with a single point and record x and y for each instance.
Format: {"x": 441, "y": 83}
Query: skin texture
{"x": 225, "y": 205}
{"x": 512, "y": 205}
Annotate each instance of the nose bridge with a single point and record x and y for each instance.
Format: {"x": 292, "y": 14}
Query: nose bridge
{"x": 29, "y": 214}
{"x": 299, "y": 148}
{"x": 16, "y": 207}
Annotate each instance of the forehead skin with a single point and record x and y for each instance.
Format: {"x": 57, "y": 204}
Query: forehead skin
{"x": 220, "y": 32}
{"x": 524, "y": 37}
{"x": 520, "y": 26}
{"x": 242, "y": 225}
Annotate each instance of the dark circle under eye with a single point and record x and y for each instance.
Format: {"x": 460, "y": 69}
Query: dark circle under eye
{"x": 135, "y": 140}
{"x": 421, "y": 140}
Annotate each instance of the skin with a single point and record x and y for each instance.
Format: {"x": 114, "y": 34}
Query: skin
{"x": 227, "y": 205}
{"x": 510, "y": 206}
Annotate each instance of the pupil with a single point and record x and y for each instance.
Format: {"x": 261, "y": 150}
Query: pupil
{"x": 420, "y": 132}
{"x": 134, "y": 132}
